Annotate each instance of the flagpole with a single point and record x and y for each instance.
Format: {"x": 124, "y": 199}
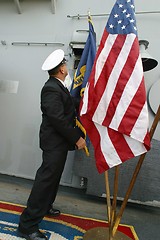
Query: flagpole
{"x": 135, "y": 174}
{"x": 114, "y": 203}
{"x": 105, "y": 233}
{"x": 108, "y": 197}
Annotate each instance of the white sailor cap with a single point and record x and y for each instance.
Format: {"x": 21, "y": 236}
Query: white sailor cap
{"x": 53, "y": 60}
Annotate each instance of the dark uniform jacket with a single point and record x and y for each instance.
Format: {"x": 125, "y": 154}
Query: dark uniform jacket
{"x": 57, "y": 131}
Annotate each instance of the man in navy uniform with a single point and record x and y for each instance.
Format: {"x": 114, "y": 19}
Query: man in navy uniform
{"x": 58, "y": 135}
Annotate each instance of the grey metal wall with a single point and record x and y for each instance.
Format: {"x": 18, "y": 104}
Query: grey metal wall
{"x": 21, "y": 77}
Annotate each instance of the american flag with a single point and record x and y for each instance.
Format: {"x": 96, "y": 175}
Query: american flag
{"x": 114, "y": 108}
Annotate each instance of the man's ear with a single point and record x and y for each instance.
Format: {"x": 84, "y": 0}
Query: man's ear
{"x": 61, "y": 69}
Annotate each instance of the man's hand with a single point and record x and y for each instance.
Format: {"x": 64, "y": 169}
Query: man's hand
{"x": 81, "y": 143}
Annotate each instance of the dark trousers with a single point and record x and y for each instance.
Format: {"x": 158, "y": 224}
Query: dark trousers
{"x": 44, "y": 190}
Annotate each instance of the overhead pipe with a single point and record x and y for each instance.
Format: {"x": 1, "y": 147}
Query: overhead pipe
{"x": 78, "y": 16}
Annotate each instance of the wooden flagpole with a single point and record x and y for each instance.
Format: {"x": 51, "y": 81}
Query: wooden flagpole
{"x": 105, "y": 233}
{"x": 114, "y": 203}
{"x": 135, "y": 174}
{"x": 108, "y": 197}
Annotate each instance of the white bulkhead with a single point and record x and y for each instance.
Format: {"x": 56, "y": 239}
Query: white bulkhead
{"x": 29, "y": 31}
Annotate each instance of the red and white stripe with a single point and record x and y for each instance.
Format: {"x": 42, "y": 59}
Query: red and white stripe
{"x": 114, "y": 109}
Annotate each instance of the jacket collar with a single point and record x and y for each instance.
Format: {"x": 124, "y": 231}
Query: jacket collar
{"x": 60, "y": 83}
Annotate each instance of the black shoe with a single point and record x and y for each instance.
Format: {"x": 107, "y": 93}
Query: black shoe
{"x": 33, "y": 236}
{"x": 53, "y": 212}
